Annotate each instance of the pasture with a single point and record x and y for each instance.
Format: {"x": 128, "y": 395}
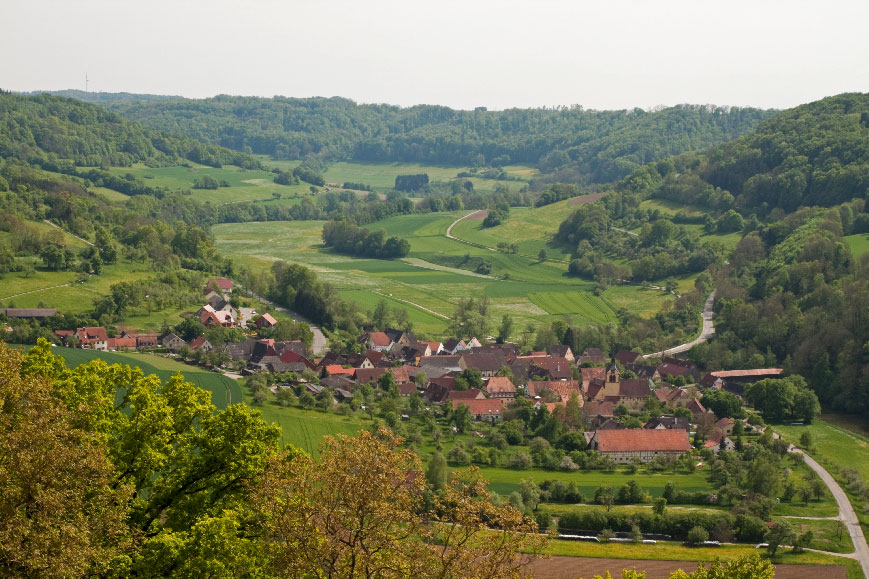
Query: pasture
{"x": 858, "y": 243}
{"x": 224, "y": 390}
{"x": 244, "y": 184}
{"x": 381, "y": 176}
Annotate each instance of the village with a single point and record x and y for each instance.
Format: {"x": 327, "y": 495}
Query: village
{"x": 487, "y": 379}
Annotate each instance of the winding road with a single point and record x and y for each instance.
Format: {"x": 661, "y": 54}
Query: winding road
{"x": 846, "y": 511}
{"x": 706, "y": 332}
{"x": 319, "y": 346}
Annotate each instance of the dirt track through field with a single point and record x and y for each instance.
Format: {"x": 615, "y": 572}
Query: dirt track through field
{"x": 581, "y": 567}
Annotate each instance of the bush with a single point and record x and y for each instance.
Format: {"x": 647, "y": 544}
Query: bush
{"x": 697, "y": 535}
{"x": 521, "y": 460}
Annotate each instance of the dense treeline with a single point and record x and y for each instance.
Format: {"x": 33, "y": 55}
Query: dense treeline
{"x": 346, "y": 237}
{"x": 60, "y": 134}
{"x": 573, "y": 144}
{"x": 814, "y": 154}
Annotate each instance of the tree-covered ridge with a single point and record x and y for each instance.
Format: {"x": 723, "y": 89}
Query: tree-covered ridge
{"x": 814, "y": 154}
{"x": 60, "y": 134}
{"x": 594, "y": 146}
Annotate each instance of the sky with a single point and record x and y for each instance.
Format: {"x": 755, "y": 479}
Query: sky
{"x": 610, "y": 54}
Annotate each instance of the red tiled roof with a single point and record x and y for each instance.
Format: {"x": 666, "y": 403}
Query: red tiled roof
{"x": 335, "y": 369}
{"x": 379, "y": 339}
{"x": 121, "y": 342}
{"x": 562, "y": 388}
{"x": 640, "y": 439}
{"x": 500, "y": 385}
{"x": 469, "y": 394}
{"x": 221, "y": 283}
{"x": 197, "y": 343}
{"x": 492, "y": 406}
{"x": 588, "y": 374}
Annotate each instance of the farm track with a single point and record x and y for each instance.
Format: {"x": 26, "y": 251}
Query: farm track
{"x": 423, "y": 308}
{"x": 449, "y": 235}
{"x": 38, "y": 290}
{"x": 68, "y": 233}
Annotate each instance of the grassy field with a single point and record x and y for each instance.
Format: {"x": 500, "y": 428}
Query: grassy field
{"x": 837, "y": 445}
{"x": 859, "y": 243}
{"x": 223, "y": 390}
{"x": 436, "y": 274}
{"x": 244, "y": 184}
{"x": 671, "y": 551}
{"x": 381, "y": 176}
{"x": 505, "y": 480}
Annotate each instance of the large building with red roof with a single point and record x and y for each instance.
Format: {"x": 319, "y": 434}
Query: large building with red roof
{"x": 624, "y": 445}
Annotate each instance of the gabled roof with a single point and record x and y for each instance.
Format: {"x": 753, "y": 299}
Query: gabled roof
{"x": 221, "y": 283}
{"x": 488, "y": 362}
{"x": 626, "y": 357}
{"x": 292, "y": 357}
{"x": 674, "y": 370}
{"x": 199, "y": 343}
{"x": 555, "y": 367}
{"x": 469, "y": 394}
{"x": 92, "y": 334}
{"x": 268, "y": 319}
{"x": 603, "y": 408}
{"x": 562, "y": 388}
{"x": 451, "y": 344}
{"x": 500, "y": 385}
{"x": 366, "y": 375}
{"x": 335, "y": 369}
{"x": 640, "y": 439}
{"x": 439, "y": 361}
{"x": 379, "y": 339}
{"x": 589, "y": 374}
{"x": 635, "y": 388}
{"x": 483, "y": 406}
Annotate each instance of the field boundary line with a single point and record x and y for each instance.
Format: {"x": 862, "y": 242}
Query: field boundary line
{"x": 428, "y": 311}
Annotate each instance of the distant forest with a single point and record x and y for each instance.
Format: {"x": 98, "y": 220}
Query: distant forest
{"x": 568, "y": 144}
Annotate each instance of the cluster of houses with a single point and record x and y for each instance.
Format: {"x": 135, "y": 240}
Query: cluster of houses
{"x": 602, "y": 386}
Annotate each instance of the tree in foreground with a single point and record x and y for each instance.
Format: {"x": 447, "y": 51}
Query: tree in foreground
{"x": 364, "y": 510}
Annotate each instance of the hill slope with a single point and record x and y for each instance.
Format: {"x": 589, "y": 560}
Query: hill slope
{"x": 591, "y": 146}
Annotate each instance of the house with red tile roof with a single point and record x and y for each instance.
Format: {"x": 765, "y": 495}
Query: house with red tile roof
{"x": 500, "y": 387}
{"x": 469, "y": 394}
{"x": 335, "y": 370}
{"x": 92, "y": 338}
{"x": 646, "y": 445}
{"x": 128, "y": 343}
{"x": 201, "y": 343}
{"x": 377, "y": 341}
{"x": 488, "y": 409}
{"x": 265, "y": 321}
{"x": 221, "y": 283}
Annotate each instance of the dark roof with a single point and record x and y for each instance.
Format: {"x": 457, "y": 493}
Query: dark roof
{"x": 593, "y": 352}
{"x": 436, "y": 392}
{"x": 635, "y": 388}
{"x": 489, "y": 362}
{"x": 678, "y": 362}
{"x": 439, "y": 361}
{"x": 451, "y": 344}
{"x": 554, "y": 367}
{"x": 507, "y": 349}
{"x": 559, "y": 350}
{"x": 626, "y": 357}
{"x": 29, "y": 312}
{"x": 366, "y": 375}
{"x": 469, "y": 394}
{"x": 240, "y": 350}
{"x": 641, "y": 370}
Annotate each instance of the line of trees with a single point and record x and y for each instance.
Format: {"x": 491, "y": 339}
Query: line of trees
{"x": 346, "y": 237}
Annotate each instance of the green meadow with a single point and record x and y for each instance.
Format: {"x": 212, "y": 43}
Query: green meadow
{"x": 381, "y": 176}
{"x": 858, "y": 243}
{"x": 440, "y": 271}
{"x": 244, "y": 184}
{"x": 224, "y": 390}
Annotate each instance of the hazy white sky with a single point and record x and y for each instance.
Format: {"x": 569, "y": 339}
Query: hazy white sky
{"x": 603, "y": 54}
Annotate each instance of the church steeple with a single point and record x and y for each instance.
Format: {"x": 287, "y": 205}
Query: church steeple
{"x": 613, "y": 379}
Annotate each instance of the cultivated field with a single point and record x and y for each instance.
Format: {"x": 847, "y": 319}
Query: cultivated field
{"x": 440, "y": 271}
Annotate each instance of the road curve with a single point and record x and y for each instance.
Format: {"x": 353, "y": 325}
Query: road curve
{"x": 706, "y": 332}
{"x": 846, "y": 512}
{"x": 318, "y": 348}
{"x": 450, "y": 228}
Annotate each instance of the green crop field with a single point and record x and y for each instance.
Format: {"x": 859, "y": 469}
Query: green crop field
{"x": 223, "y": 390}
{"x": 244, "y": 184}
{"x": 440, "y": 271}
{"x": 859, "y": 243}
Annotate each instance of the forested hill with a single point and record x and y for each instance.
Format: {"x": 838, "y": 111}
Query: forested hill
{"x": 584, "y": 145}
{"x": 814, "y": 154}
{"x": 59, "y": 134}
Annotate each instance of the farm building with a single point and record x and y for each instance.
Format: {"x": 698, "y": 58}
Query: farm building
{"x": 624, "y": 445}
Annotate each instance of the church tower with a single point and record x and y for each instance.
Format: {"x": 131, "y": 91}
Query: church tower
{"x": 613, "y": 379}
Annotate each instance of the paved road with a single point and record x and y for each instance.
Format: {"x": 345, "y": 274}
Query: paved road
{"x": 846, "y": 511}
{"x": 318, "y": 348}
{"x": 707, "y": 331}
